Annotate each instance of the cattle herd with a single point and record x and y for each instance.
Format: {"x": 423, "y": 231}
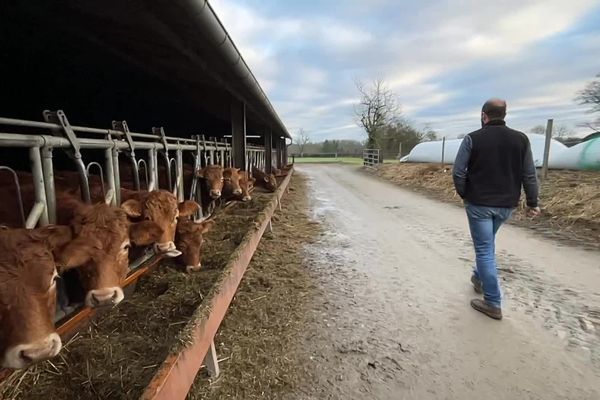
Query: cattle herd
{"x": 93, "y": 242}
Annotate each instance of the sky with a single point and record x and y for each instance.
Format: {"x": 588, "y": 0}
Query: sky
{"x": 442, "y": 59}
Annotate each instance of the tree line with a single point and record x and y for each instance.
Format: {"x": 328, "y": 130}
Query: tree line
{"x": 379, "y": 114}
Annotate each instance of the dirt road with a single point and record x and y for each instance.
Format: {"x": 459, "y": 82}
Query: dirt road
{"x": 395, "y": 322}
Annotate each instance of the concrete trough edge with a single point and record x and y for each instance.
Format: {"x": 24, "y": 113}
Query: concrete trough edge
{"x": 177, "y": 373}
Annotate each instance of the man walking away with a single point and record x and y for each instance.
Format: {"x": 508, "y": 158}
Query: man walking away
{"x": 491, "y": 166}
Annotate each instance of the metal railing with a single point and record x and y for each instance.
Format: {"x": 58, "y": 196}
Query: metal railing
{"x": 371, "y": 158}
{"x": 115, "y": 142}
{"x": 147, "y": 156}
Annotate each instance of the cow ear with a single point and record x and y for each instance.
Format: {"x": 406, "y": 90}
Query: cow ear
{"x": 54, "y": 235}
{"x": 187, "y": 208}
{"x": 144, "y": 233}
{"x": 133, "y": 208}
{"x": 237, "y": 169}
{"x": 200, "y": 173}
{"x": 205, "y": 226}
{"x": 75, "y": 254}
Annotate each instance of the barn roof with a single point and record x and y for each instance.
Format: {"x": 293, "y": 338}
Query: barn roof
{"x": 171, "y": 59}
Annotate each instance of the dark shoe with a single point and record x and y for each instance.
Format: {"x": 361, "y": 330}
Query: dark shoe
{"x": 476, "y": 284}
{"x": 490, "y": 311}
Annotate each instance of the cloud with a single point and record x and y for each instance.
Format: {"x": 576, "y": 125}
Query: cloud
{"x": 442, "y": 60}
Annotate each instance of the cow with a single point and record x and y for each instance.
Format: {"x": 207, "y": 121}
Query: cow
{"x": 189, "y": 241}
{"x": 162, "y": 208}
{"x": 245, "y": 183}
{"x": 28, "y": 275}
{"x": 263, "y": 180}
{"x": 103, "y": 235}
{"x": 211, "y": 185}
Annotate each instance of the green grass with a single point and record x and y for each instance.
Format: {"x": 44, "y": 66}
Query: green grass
{"x": 332, "y": 160}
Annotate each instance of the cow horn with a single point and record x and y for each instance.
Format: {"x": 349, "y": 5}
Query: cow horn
{"x": 109, "y": 196}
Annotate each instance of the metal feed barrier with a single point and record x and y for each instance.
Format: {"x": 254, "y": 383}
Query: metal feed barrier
{"x": 144, "y": 153}
{"x": 371, "y": 158}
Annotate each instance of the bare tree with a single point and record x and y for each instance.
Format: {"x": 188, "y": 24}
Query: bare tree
{"x": 303, "y": 140}
{"x": 590, "y": 96}
{"x": 561, "y": 131}
{"x": 538, "y": 130}
{"x": 377, "y": 108}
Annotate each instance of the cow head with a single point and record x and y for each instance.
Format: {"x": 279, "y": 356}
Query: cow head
{"x": 270, "y": 183}
{"x": 102, "y": 237}
{"x": 189, "y": 241}
{"x": 161, "y": 207}
{"x": 231, "y": 177}
{"x": 246, "y": 183}
{"x": 213, "y": 176}
{"x": 28, "y": 277}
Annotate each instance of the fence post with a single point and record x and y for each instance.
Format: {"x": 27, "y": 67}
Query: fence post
{"x": 443, "y": 149}
{"x": 547, "y": 147}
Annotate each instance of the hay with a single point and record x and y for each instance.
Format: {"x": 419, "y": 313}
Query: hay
{"x": 570, "y": 200}
{"x": 116, "y": 357}
{"x": 258, "y": 338}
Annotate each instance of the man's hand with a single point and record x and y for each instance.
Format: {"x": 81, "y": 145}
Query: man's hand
{"x": 533, "y": 212}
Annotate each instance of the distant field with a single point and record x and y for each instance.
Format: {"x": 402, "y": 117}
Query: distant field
{"x": 333, "y": 160}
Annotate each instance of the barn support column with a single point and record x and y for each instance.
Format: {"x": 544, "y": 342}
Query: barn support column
{"x": 285, "y": 152}
{"x": 238, "y": 133}
{"x": 268, "y": 150}
{"x": 279, "y": 153}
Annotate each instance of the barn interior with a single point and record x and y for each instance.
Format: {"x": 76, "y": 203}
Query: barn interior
{"x": 154, "y": 64}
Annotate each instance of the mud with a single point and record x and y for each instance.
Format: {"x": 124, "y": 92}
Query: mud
{"x": 397, "y": 321}
{"x": 389, "y": 316}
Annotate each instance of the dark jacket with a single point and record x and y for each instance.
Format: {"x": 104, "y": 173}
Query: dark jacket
{"x": 491, "y": 166}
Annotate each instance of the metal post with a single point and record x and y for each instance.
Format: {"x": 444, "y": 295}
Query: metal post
{"x": 38, "y": 186}
{"x": 117, "y": 172}
{"x": 211, "y": 361}
{"x": 48, "y": 172}
{"x": 238, "y": 133}
{"x": 443, "y": 149}
{"x": 179, "y": 179}
{"x": 547, "y": 147}
{"x": 109, "y": 176}
{"x": 153, "y": 185}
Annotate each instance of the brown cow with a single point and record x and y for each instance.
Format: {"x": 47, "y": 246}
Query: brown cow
{"x": 211, "y": 185}
{"x": 263, "y": 180}
{"x": 189, "y": 241}
{"x": 103, "y": 235}
{"x": 28, "y": 276}
{"x": 246, "y": 183}
{"x": 160, "y": 207}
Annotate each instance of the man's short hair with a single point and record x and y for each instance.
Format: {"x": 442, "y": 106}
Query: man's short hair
{"x": 495, "y": 109}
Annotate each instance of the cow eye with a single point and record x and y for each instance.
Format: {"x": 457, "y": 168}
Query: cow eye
{"x": 127, "y": 246}
{"x": 147, "y": 218}
{"x": 55, "y": 279}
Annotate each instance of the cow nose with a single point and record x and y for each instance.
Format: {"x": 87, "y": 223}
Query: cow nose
{"x": 167, "y": 249}
{"x": 191, "y": 268}
{"x": 237, "y": 191}
{"x": 24, "y": 355}
{"x": 104, "y": 297}
{"x": 246, "y": 198}
{"x": 215, "y": 194}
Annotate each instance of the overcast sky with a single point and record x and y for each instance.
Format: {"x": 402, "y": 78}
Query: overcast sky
{"x": 443, "y": 59}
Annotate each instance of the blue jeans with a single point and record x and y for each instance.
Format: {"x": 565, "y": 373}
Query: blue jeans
{"x": 484, "y": 222}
